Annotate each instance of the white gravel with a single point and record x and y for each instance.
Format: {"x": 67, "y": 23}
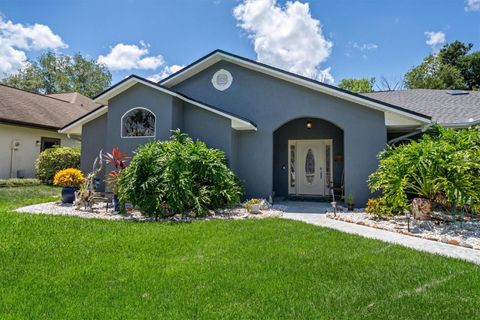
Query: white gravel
{"x": 99, "y": 212}
{"x": 467, "y": 235}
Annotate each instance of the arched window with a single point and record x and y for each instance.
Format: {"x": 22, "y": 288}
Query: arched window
{"x": 138, "y": 122}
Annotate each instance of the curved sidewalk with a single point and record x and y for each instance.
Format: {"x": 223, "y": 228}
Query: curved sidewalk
{"x": 420, "y": 244}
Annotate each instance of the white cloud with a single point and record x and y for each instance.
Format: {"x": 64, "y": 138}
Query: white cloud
{"x": 365, "y": 46}
{"x": 130, "y": 56}
{"x": 168, "y": 70}
{"x": 286, "y": 37}
{"x": 16, "y": 39}
{"x": 472, "y": 5}
{"x": 435, "y": 39}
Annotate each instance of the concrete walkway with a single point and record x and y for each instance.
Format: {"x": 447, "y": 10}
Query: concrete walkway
{"x": 319, "y": 219}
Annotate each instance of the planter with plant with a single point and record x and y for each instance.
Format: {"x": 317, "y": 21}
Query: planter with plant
{"x": 118, "y": 160}
{"x": 349, "y": 202}
{"x": 253, "y": 205}
{"x": 70, "y": 179}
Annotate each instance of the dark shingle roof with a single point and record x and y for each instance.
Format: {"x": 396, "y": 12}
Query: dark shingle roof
{"x": 439, "y": 104}
{"x": 27, "y": 108}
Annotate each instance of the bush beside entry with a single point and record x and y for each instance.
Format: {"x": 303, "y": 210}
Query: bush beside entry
{"x": 178, "y": 176}
{"x": 55, "y": 159}
{"x": 442, "y": 167}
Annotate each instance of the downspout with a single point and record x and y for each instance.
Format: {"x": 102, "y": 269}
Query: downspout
{"x": 13, "y": 147}
{"x": 408, "y": 135}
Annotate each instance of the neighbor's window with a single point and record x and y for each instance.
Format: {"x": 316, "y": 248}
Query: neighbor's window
{"x": 138, "y": 122}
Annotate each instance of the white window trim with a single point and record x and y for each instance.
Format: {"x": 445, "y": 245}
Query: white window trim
{"x": 130, "y": 137}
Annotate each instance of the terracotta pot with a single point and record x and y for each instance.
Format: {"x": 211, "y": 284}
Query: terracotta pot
{"x": 422, "y": 208}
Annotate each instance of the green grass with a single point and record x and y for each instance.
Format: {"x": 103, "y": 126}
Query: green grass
{"x": 54, "y": 267}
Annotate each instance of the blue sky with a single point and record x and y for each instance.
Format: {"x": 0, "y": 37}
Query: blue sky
{"x": 353, "y": 38}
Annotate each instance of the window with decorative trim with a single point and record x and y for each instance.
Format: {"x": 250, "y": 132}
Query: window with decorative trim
{"x": 138, "y": 122}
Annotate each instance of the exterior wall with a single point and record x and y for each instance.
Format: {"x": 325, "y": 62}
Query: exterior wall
{"x": 159, "y": 103}
{"x": 94, "y": 135}
{"x": 170, "y": 114}
{"x": 208, "y": 127}
{"x": 296, "y": 130}
{"x": 270, "y": 103}
{"x": 24, "y": 158}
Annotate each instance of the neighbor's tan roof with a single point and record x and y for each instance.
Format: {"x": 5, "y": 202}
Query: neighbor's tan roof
{"x": 50, "y": 111}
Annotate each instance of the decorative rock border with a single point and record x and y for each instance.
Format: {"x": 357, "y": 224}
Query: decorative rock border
{"x": 99, "y": 212}
{"x": 442, "y": 233}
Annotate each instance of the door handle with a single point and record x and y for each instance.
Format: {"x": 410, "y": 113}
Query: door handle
{"x": 321, "y": 173}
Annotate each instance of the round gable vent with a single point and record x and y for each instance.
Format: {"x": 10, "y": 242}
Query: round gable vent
{"x": 222, "y": 80}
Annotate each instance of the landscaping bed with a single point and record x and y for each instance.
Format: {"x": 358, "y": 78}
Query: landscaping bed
{"x": 465, "y": 235}
{"x": 100, "y": 211}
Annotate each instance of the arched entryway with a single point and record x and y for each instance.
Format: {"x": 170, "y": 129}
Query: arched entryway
{"x": 308, "y": 158}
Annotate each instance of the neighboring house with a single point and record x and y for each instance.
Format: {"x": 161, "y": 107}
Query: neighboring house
{"x": 29, "y": 124}
{"x": 283, "y": 134}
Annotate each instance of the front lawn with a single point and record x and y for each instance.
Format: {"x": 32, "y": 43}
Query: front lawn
{"x": 65, "y": 267}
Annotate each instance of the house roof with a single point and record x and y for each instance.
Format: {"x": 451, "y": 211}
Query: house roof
{"x": 443, "y": 106}
{"x": 36, "y": 110}
{"x": 237, "y": 122}
{"x": 395, "y": 114}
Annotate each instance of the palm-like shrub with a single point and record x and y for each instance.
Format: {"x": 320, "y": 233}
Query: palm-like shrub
{"x": 55, "y": 159}
{"x": 178, "y": 176}
{"x": 444, "y": 162}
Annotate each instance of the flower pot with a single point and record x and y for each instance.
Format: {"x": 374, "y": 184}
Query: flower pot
{"x": 68, "y": 194}
{"x": 116, "y": 203}
{"x": 421, "y": 208}
{"x": 255, "y": 208}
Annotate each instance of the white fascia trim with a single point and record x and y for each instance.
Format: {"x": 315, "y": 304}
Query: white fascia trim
{"x": 237, "y": 123}
{"x": 219, "y": 56}
{"x": 71, "y": 128}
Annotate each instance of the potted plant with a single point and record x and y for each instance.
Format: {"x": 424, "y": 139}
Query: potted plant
{"x": 70, "y": 179}
{"x": 349, "y": 202}
{"x": 253, "y": 205}
{"x": 118, "y": 160}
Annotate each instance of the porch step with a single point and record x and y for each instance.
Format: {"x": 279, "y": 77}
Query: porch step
{"x": 309, "y": 198}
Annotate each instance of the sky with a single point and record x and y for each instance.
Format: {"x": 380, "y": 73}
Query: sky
{"x": 327, "y": 40}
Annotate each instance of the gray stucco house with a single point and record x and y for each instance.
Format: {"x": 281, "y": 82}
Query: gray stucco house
{"x": 283, "y": 134}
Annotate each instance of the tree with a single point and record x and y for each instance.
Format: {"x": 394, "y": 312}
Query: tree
{"x": 56, "y": 73}
{"x": 432, "y": 74}
{"x": 357, "y": 85}
{"x": 452, "y": 53}
{"x": 452, "y": 68}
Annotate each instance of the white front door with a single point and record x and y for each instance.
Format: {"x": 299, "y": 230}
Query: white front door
{"x": 310, "y": 169}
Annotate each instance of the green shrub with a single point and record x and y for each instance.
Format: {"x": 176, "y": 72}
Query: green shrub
{"x": 178, "y": 176}
{"x": 443, "y": 161}
{"x": 55, "y": 159}
{"x": 376, "y": 206}
{"x": 19, "y": 182}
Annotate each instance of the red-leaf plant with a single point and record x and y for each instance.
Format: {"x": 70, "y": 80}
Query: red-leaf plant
{"x": 118, "y": 160}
